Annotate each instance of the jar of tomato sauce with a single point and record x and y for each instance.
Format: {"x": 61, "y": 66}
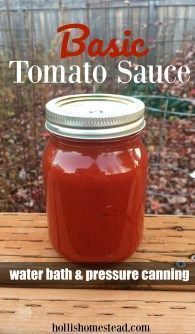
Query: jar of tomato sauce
{"x": 95, "y": 170}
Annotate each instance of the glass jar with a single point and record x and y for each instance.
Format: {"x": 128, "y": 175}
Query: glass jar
{"x": 95, "y": 170}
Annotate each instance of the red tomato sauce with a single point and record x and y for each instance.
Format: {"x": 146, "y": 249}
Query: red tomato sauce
{"x": 95, "y": 196}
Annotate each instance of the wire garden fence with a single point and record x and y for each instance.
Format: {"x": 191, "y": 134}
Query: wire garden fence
{"x": 28, "y": 31}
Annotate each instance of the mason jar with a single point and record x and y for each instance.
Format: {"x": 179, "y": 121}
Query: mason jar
{"x": 95, "y": 171}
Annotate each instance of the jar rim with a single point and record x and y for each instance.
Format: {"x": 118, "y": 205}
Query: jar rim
{"x": 95, "y": 116}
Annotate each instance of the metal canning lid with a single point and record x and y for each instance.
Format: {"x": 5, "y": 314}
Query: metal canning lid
{"x": 95, "y": 116}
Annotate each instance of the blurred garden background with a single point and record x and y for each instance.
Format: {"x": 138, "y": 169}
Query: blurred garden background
{"x": 28, "y": 31}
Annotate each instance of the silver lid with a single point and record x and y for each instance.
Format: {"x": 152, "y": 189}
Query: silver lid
{"x": 94, "y": 116}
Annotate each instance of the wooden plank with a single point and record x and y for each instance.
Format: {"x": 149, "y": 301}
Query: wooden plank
{"x": 24, "y": 237}
{"x": 164, "y": 312}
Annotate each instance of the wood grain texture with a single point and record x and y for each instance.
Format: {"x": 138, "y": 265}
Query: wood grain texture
{"x": 26, "y": 311}
{"x": 24, "y": 237}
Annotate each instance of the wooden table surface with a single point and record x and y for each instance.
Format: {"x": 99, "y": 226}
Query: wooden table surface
{"x": 24, "y": 238}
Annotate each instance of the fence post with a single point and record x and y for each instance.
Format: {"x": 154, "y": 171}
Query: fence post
{"x": 152, "y": 32}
